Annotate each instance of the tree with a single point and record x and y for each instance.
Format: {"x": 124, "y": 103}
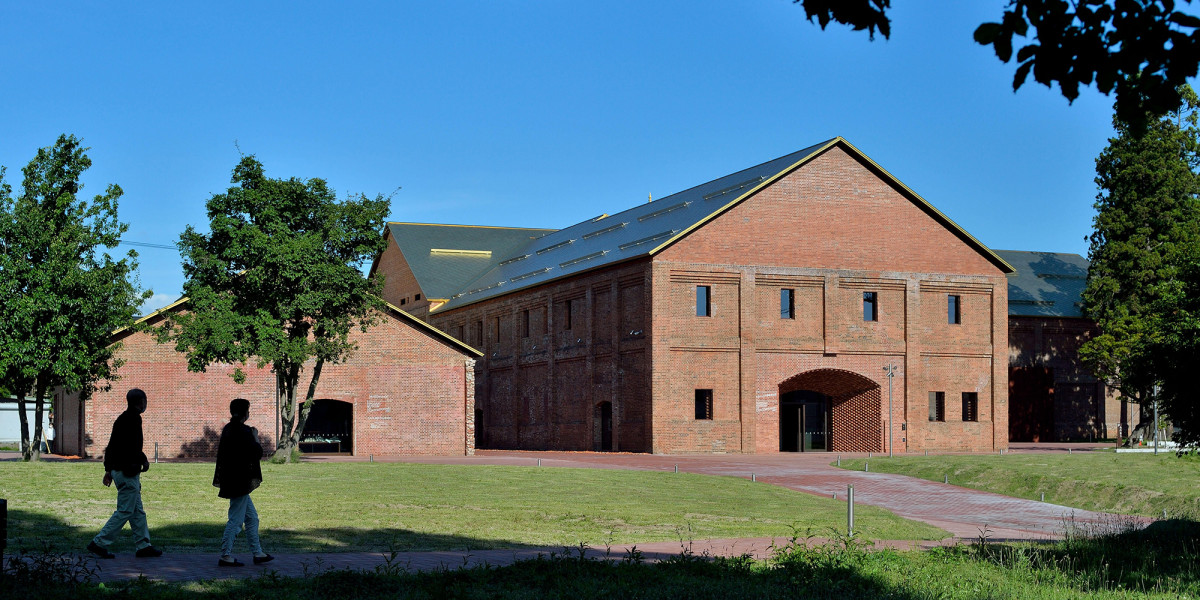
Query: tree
{"x": 63, "y": 295}
{"x": 276, "y": 280}
{"x": 1143, "y": 49}
{"x": 1147, "y": 229}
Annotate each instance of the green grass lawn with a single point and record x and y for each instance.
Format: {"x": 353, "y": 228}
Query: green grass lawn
{"x": 376, "y": 506}
{"x": 1140, "y": 484}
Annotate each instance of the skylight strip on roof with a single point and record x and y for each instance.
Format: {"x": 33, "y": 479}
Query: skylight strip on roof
{"x": 460, "y": 252}
{"x": 514, "y": 259}
{"x": 734, "y": 188}
{"x": 588, "y": 257}
{"x": 603, "y": 231}
{"x": 484, "y": 289}
{"x": 555, "y": 246}
{"x": 647, "y": 240}
{"x": 663, "y": 211}
{"x": 529, "y": 274}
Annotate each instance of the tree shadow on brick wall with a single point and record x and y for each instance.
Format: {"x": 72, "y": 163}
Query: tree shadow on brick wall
{"x": 204, "y": 446}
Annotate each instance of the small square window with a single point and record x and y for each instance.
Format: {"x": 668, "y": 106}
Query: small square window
{"x": 403, "y": 301}
{"x": 937, "y": 406}
{"x": 704, "y": 405}
{"x": 787, "y": 304}
{"x": 870, "y": 306}
{"x": 953, "y": 316}
{"x": 970, "y": 406}
{"x": 417, "y": 298}
{"x": 703, "y": 301}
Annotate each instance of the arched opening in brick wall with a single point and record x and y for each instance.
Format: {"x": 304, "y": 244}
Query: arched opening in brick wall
{"x": 329, "y": 428}
{"x": 830, "y": 410}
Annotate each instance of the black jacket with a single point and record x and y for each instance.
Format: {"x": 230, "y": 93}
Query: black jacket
{"x": 238, "y": 455}
{"x": 124, "y": 450}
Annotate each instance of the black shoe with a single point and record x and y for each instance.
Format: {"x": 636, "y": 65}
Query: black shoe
{"x": 148, "y": 552}
{"x": 258, "y": 560}
{"x": 100, "y": 551}
{"x": 234, "y": 563}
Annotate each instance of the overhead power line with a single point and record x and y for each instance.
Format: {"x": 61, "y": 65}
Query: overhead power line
{"x": 147, "y": 245}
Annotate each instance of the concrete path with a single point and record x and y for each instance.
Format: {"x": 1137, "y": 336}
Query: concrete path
{"x": 190, "y": 567}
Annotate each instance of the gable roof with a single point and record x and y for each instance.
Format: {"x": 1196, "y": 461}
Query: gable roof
{"x": 1046, "y": 284}
{"x": 396, "y": 311}
{"x": 647, "y": 229}
{"x": 445, "y": 258}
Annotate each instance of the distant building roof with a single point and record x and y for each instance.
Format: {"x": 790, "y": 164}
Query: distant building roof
{"x": 1046, "y": 284}
{"x": 635, "y": 233}
{"x": 445, "y": 258}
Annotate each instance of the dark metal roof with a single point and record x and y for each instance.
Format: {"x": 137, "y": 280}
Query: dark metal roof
{"x": 626, "y": 235}
{"x": 1046, "y": 284}
{"x": 646, "y": 229}
{"x": 445, "y": 258}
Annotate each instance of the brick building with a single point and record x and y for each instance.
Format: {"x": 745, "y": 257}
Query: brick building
{"x": 753, "y": 313}
{"x": 408, "y": 389}
{"x": 1052, "y": 396}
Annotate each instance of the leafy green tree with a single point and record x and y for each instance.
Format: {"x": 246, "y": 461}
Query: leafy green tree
{"x": 276, "y": 281}
{"x": 1142, "y": 49}
{"x": 63, "y": 294}
{"x": 1147, "y": 229}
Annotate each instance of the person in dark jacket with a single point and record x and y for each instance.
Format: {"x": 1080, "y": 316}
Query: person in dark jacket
{"x": 238, "y": 473}
{"x": 124, "y": 462}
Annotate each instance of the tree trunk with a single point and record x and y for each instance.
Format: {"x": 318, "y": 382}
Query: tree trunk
{"x": 289, "y": 436}
{"x": 39, "y": 407}
{"x": 308, "y": 402}
{"x": 25, "y": 454}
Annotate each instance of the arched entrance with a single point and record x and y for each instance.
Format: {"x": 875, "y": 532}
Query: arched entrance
{"x": 603, "y": 420}
{"x": 830, "y": 410}
{"x": 329, "y": 428}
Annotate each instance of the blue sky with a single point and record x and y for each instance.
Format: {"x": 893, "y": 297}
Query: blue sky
{"x": 537, "y": 114}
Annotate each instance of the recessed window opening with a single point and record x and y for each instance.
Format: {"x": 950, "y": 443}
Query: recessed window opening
{"x": 870, "y": 306}
{"x": 567, "y": 315}
{"x": 496, "y": 326}
{"x": 970, "y": 406}
{"x": 417, "y": 298}
{"x": 953, "y": 316}
{"x": 703, "y": 301}
{"x": 787, "y": 304}
{"x": 525, "y": 323}
{"x": 937, "y": 406}
{"x": 704, "y": 405}
{"x": 403, "y": 301}
{"x": 479, "y": 332}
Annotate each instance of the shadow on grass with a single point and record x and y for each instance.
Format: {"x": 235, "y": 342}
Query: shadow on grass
{"x": 1163, "y": 557}
{"x": 33, "y": 530}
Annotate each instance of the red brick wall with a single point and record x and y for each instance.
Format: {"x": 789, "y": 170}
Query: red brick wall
{"x": 411, "y": 394}
{"x": 1077, "y": 405}
{"x": 400, "y": 286}
{"x": 831, "y": 230}
{"x": 541, "y": 391}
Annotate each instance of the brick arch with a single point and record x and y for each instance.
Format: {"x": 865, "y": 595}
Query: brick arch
{"x": 855, "y": 406}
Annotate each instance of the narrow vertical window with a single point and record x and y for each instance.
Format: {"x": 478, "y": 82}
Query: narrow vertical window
{"x": 870, "y": 306}
{"x": 567, "y": 315}
{"x": 496, "y": 325}
{"x": 970, "y": 406}
{"x": 787, "y": 304}
{"x": 479, "y": 331}
{"x": 704, "y": 405}
{"x": 525, "y": 323}
{"x": 953, "y": 316}
{"x": 459, "y": 334}
{"x": 703, "y": 301}
{"x": 937, "y": 406}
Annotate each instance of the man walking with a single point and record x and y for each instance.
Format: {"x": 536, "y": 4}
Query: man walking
{"x": 238, "y": 473}
{"x": 124, "y": 462}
